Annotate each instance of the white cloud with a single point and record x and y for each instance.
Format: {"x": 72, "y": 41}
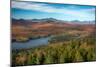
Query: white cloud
{"x": 31, "y": 6}
{"x": 50, "y": 9}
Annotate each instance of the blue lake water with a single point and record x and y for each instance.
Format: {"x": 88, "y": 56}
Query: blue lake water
{"x": 30, "y": 44}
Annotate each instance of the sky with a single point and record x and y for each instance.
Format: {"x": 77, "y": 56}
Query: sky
{"x": 39, "y": 10}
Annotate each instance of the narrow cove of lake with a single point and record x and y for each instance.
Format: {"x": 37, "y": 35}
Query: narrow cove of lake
{"x": 30, "y": 43}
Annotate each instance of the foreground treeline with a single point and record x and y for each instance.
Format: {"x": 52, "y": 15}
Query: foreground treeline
{"x": 75, "y": 50}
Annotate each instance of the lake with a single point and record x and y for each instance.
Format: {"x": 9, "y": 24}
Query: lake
{"x": 30, "y": 43}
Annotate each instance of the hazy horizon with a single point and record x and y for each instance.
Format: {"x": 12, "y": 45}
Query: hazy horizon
{"x": 50, "y": 18}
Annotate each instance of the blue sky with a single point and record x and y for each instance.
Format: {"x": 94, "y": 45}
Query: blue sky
{"x": 37, "y": 10}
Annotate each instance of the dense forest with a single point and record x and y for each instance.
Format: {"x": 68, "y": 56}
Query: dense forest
{"x": 59, "y": 50}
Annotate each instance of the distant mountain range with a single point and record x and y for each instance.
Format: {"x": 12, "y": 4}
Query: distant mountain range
{"x": 50, "y": 20}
